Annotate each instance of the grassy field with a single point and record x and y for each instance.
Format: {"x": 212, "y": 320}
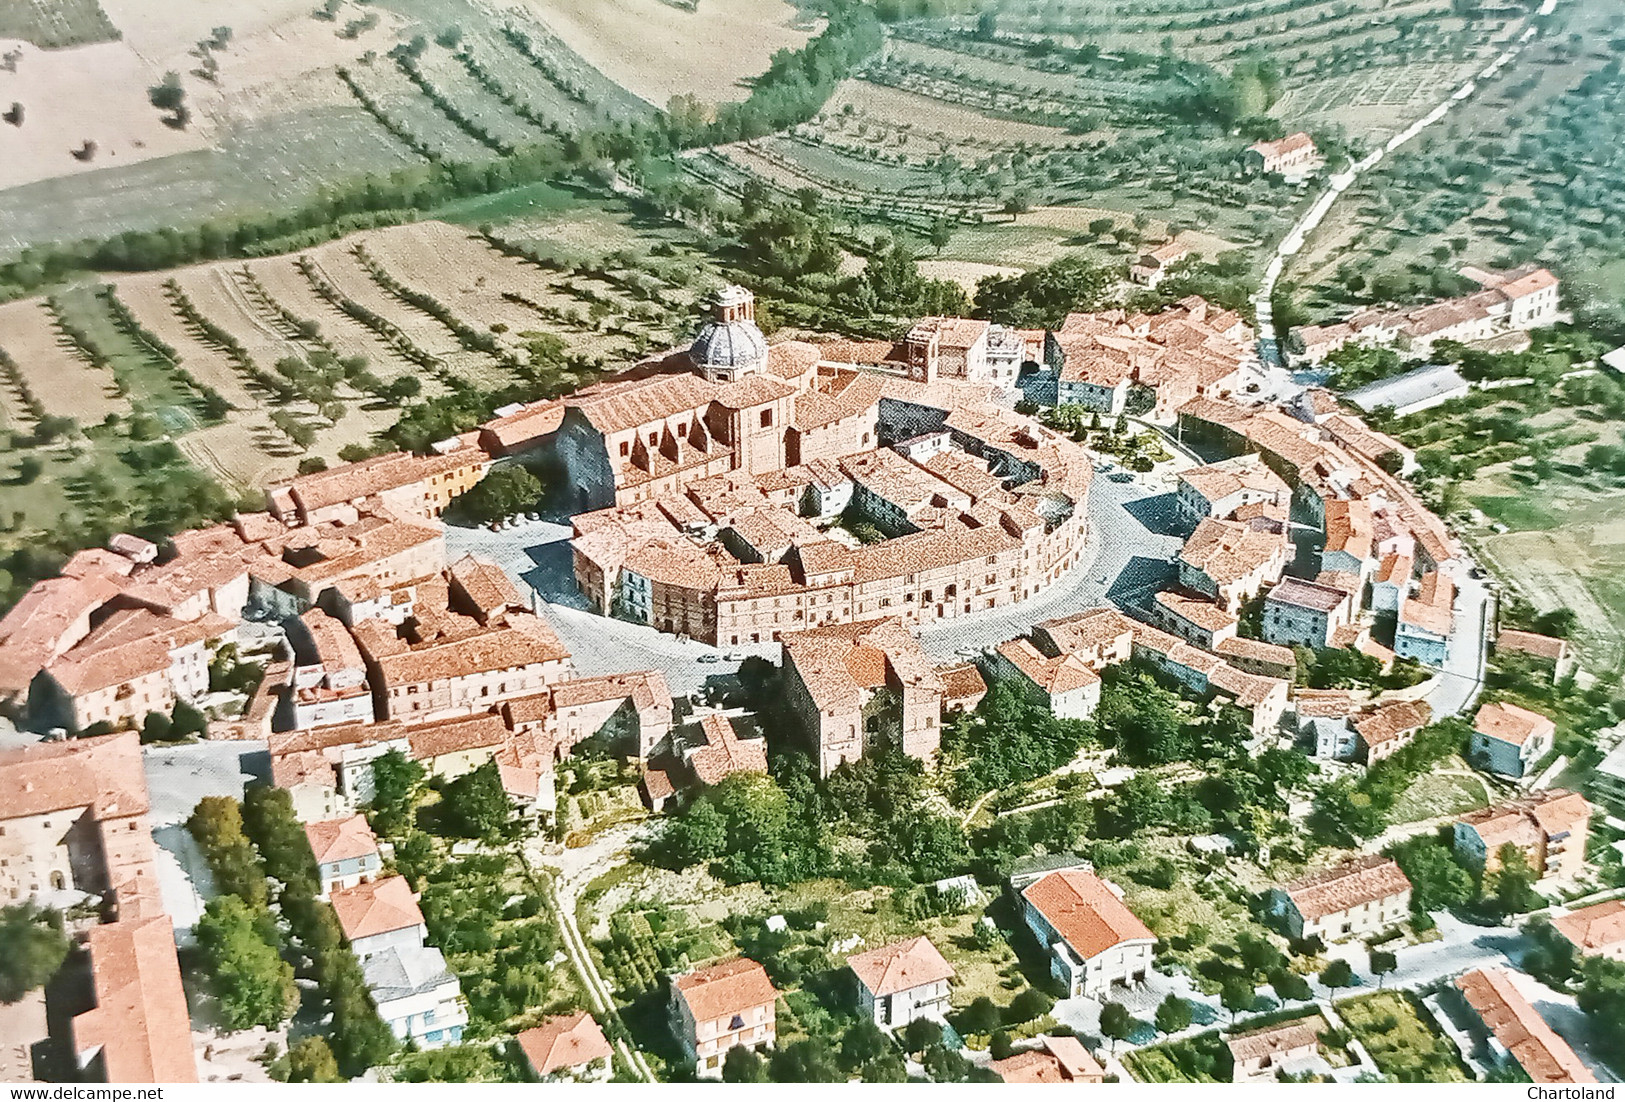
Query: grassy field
{"x": 1440, "y": 794}
{"x": 54, "y": 24}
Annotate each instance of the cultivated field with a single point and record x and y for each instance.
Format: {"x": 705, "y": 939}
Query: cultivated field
{"x": 53, "y": 372}
{"x": 708, "y": 51}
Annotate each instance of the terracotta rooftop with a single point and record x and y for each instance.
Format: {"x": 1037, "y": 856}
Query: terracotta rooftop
{"x": 341, "y": 839}
{"x": 838, "y": 662}
{"x": 1391, "y": 721}
{"x": 1204, "y": 614}
{"x": 1599, "y": 928}
{"x": 1363, "y": 880}
{"x": 962, "y": 682}
{"x": 1301, "y": 594}
{"x": 900, "y": 966}
{"x": 484, "y": 584}
{"x": 1227, "y": 551}
{"x": 1246, "y": 472}
{"x": 376, "y": 907}
{"x": 564, "y": 1042}
{"x": 1085, "y": 912}
{"x": 1520, "y": 1029}
{"x": 457, "y": 735}
{"x": 1281, "y": 146}
{"x": 140, "y": 1021}
{"x": 1532, "y": 643}
{"x": 1551, "y": 815}
{"x": 103, "y": 772}
{"x": 628, "y": 403}
{"x": 726, "y": 989}
{"x": 1512, "y": 724}
{"x": 1063, "y": 674}
{"x": 1276, "y": 1039}
{"x": 724, "y": 753}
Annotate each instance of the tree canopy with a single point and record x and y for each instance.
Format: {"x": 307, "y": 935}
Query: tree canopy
{"x": 35, "y": 947}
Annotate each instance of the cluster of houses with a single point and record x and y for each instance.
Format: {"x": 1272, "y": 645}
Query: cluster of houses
{"x": 1505, "y": 307}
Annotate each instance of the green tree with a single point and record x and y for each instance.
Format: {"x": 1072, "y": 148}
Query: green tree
{"x": 981, "y": 1016}
{"x": 1513, "y": 882}
{"x": 1437, "y": 880}
{"x": 1029, "y": 1005}
{"x": 253, "y": 984}
{"x": 1173, "y": 1014}
{"x": 809, "y": 1060}
{"x": 217, "y": 825}
{"x": 1602, "y": 997}
{"x": 920, "y": 1034}
{"x": 1237, "y": 995}
{"x": 501, "y": 493}
{"x": 478, "y": 805}
{"x": 310, "y": 1060}
{"x": 1000, "y": 1046}
{"x": 1383, "y": 961}
{"x": 885, "y": 1069}
{"x": 395, "y": 781}
{"x": 1289, "y": 986}
{"x": 743, "y": 1065}
{"x": 29, "y": 470}
{"x": 35, "y": 947}
{"x": 862, "y": 1043}
{"x": 1551, "y": 958}
{"x": 1337, "y": 973}
{"x": 1116, "y": 1022}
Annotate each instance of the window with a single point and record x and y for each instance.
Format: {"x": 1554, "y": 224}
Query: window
{"x": 767, "y": 418}
{"x": 626, "y": 449}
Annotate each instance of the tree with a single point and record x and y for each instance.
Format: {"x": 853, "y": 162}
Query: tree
{"x": 1338, "y": 973}
{"x": 1000, "y": 1046}
{"x": 862, "y": 1043}
{"x": 395, "y": 781}
{"x": 311, "y": 1061}
{"x": 29, "y": 470}
{"x": 885, "y": 1069}
{"x": 1514, "y": 882}
{"x": 503, "y": 492}
{"x": 477, "y": 803}
{"x": 920, "y": 1034}
{"x": 188, "y": 720}
{"x": 1551, "y": 959}
{"x": 1383, "y": 961}
{"x": 14, "y": 115}
{"x": 743, "y": 1065}
{"x": 253, "y": 984}
{"x": 1030, "y": 1004}
{"x": 35, "y": 947}
{"x": 1437, "y": 880}
{"x": 1237, "y": 994}
{"x": 1602, "y": 997}
{"x": 806, "y": 1061}
{"x": 981, "y": 1016}
{"x": 157, "y": 727}
{"x": 1116, "y": 1022}
{"x": 1173, "y": 1014}
{"x": 1289, "y": 986}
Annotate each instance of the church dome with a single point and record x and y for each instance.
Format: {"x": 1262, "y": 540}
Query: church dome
{"x": 730, "y": 344}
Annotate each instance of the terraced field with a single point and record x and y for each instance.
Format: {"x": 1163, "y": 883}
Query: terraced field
{"x": 50, "y": 373}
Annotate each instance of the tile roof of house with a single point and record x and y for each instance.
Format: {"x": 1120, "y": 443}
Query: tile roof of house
{"x": 1430, "y": 609}
{"x": 644, "y": 688}
{"x": 1228, "y": 552}
{"x": 1532, "y": 643}
{"x": 376, "y": 907}
{"x": 1520, "y": 1029}
{"x": 341, "y": 839}
{"x": 1076, "y": 1061}
{"x": 1032, "y": 1066}
{"x": 1363, "y": 880}
{"x": 565, "y": 1041}
{"x": 1524, "y": 822}
{"x": 457, "y": 735}
{"x": 900, "y": 966}
{"x": 1393, "y": 720}
{"x": 1255, "y": 650}
{"x": 523, "y": 640}
{"x": 1323, "y": 703}
{"x": 1281, "y": 146}
{"x": 839, "y": 661}
{"x": 1246, "y": 472}
{"x": 140, "y": 1021}
{"x": 950, "y": 332}
{"x": 103, "y": 772}
{"x": 723, "y": 752}
{"x": 1538, "y": 280}
{"x": 962, "y": 682}
{"x": 375, "y": 475}
{"x": 1092, "y": 628}
{"x": 1062, "y": 674}
{"x": 1204, "y": 614}
{"x": 1599, "y": 928}
{"x": 1083, "y": 910}
{"x": 1311, "y": 595}
{"x": 1511, "y": 723}
{"x": 1273, "y": 1040}
{"x": 628, "y": 403}
{"x": 484, "y": 584}
{"x": 524, "y": 426}
{"x": 726, "y": 989}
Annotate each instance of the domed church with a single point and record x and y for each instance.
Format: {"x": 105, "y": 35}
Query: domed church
{"x": 730, "y": 345}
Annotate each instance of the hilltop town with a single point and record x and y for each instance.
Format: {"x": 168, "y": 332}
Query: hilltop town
{"x": 906, "y": 535}
{"x": 812, "y": 541}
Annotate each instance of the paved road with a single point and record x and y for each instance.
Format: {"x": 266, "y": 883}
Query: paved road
{"x": 1456, "y": 687}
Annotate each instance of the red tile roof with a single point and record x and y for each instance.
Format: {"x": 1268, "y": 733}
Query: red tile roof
{"x": 140, "y": 1020}
{"x": 723, "y": 990}
{"x": 377, "y": 907}
{"x": 900, "y": 966}
{"x": 1085, "y": 912}
{"x": 341, "y": 839}
{"x": 1518, "y": 1026}
{"x": 567, "y": 1041}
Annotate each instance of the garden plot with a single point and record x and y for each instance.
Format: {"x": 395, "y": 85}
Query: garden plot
{"x": 708, "y": 51}
{"x": 55, "y": 374}
{"x": 147, "y": 301}
{"x": 287, "y": 286}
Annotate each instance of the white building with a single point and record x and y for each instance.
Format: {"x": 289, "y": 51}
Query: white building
{"x": 1349, "y": 901}
{"x": 416, "y": 993}
{"x": 1064, "y": 684}
{"x": 1093, "y": 939}
{"x": 903, "y": 981}
{"x": 1297, "y": 612}
{"x": 346, "y": 852}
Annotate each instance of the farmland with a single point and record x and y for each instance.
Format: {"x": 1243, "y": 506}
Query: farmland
{"x": 1492, "y": 187}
